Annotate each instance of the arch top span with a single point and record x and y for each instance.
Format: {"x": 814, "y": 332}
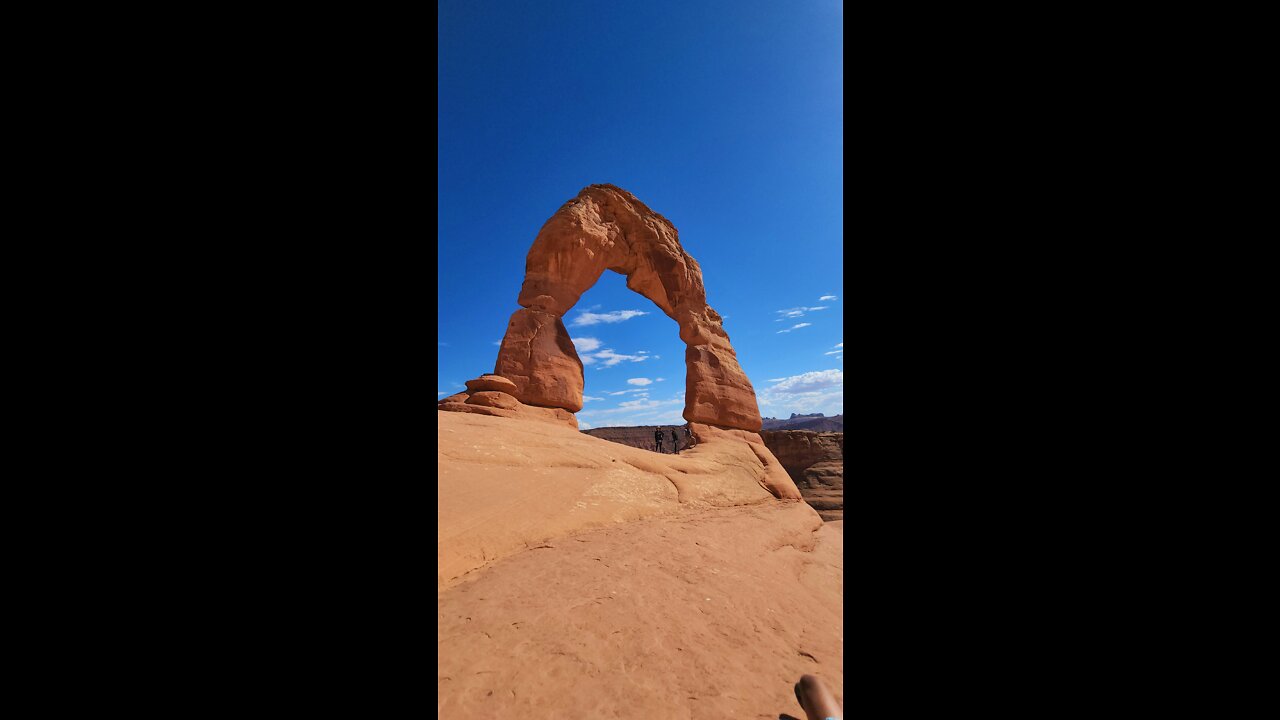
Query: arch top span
{"x": 607, "y": 228}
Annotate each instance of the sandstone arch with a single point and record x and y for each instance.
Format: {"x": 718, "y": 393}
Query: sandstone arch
{"x": 608, "y": 228}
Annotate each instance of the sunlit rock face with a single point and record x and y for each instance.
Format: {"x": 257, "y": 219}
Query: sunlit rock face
{"x": 608, "y": 228}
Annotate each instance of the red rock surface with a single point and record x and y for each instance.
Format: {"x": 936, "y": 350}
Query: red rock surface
{"x": 491, "y": 382}
{"x": 608, "y": 228}
{"x": 815, "y": 462}
{"x": 539, "y": 358}
{"x": 579, "y": 578}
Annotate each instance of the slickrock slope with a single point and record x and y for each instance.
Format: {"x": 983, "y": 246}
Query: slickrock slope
{"x": 815, "y": 461}
{"x": 711, "y": 613}
{"x": 507, "y": 484}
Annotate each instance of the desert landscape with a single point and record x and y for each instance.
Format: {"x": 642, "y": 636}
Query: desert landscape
{"x": 583, "y": 574}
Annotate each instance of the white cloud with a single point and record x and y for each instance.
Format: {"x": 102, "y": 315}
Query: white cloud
{"x": 584, "y": 424}
{"x": 840, "y": 345}
{"x": 808, "y": 382}
{"x": 610, "y": 358}
{"x": 589, "y": 318}
{"x": 818, "y": 391}
{"x": 820, "y": 307}
{"x": 498, "y": 343}
{"x": 586, "y": 344}
{"x": 659, "y": 379}
{"x": 639, "y": 381}
{"x": 797, "y": 326}
{"x": 443, "y": 392}
{"x": 834, "y": 352}
{"x": 632, "y": 390}
{"x": 827, "y": 297}
{"x": 790, "y": 313}
{"x": 588, "y": 398}
{"x": 629, "y": 412}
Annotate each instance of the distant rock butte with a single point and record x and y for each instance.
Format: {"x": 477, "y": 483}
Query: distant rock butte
{"x": 815, "y": 462}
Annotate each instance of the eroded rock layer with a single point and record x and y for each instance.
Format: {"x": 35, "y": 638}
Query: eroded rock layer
{"x": 815, "y": 462}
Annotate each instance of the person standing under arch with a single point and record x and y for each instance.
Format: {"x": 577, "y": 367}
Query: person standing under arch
{"x": 657, "y": 439}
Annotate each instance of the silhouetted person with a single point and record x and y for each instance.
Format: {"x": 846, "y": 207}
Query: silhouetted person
{"x": 657, "y": 439}
{"x": 675, "y": 444}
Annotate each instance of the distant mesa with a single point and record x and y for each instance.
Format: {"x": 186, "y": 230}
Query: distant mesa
{"x": 816, "y": 422}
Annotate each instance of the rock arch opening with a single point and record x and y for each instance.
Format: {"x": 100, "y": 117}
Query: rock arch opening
{"x": 607, "y": 228}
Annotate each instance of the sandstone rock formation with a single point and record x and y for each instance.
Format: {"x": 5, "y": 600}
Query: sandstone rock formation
{"x": 608, "y": 228}
{"x": 502, "y": 404}
{"x": 815, "y": 462}
{"x": 491, "y": 382}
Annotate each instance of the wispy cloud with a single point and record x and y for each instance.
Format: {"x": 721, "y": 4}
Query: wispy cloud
{"x": 827, "y": 297}
{"x": 797, "y": 326}
{"x": 639, "y": 381}
{"x": 584, "y": 424}
{"x": 632, "y": 390}
{"x": 584, "y": 319}
{"x": 498, "y": 343}
{"x": 442, "y": 392}
{"x": 659, "y": 379}
{"x": 609, "y": 358}
{"x": 629, "y": 409}
{"x": 586, "y": 344}
{"x": 797, "y": 312}
{"x": 588, "y": 398}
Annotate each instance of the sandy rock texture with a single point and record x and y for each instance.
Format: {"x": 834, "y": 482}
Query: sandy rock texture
{"x": 506, "y": 484}
{"x": 608, "y": 228}
{"x": 700, "y": 613}
{"x": 815, "y": 462}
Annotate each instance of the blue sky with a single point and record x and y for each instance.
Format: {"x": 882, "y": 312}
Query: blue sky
{"x": 726, "y": 117}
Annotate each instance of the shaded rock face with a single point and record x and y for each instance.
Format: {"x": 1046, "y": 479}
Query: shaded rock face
{"x": 815, "y": 462}
{"x": 608, "y": 228}
{"x": 642, "y": 436}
